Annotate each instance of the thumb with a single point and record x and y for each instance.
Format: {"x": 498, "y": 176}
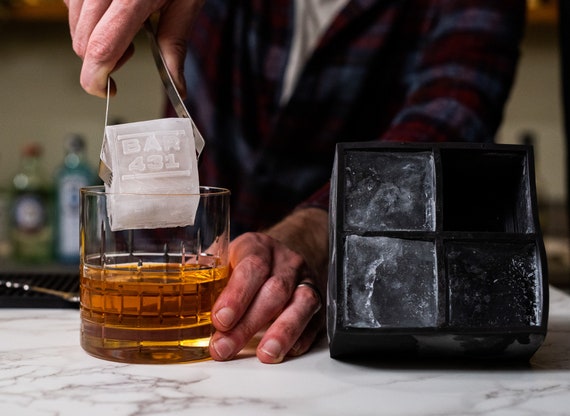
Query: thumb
{"x": 173, "y": 28}
{"x": 174, "y": 52}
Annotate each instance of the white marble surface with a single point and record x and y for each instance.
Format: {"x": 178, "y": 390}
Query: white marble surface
{"x": 44, "y": 371}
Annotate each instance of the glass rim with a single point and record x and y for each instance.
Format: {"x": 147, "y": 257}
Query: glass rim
{"x": 99, "y": 190}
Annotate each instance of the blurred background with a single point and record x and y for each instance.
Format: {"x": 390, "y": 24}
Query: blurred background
{"x": 39, "y": 82}
{"x": 41, "y": 101}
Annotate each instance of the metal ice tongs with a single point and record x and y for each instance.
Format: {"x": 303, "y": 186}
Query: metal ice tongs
{"x": 171, "y": 90}
{"x": 172, "y": 93}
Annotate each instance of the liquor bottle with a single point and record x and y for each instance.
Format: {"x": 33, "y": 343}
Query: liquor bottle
{"x": 74, "y": 174}
{"x": 31, "y": 213}
{"x": 5, "y": 243}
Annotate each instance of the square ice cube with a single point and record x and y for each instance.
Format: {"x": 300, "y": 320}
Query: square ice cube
{"x": 390, "y": 282}
{"x": 390, "y": 191}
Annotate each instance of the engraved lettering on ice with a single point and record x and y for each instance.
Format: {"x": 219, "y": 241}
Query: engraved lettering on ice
{"x": 153, "y": 154}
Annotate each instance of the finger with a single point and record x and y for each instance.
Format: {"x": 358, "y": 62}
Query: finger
{"x": 126, "y": 56}
{"x": 290, "y": 329}
{"x": 262, "y": 282}
{"x": 260, "y": 287}
{"x": 253, "y": 260}
{"x": 83, "y": 17}
{"x": 307, "y": 339}
{"x": 108, "y": 43}
{"x": 73, "y": 13}
{"x": 172, "y": 38}
{"x": 266, "y": 306}
{"x": 249, "y": 272}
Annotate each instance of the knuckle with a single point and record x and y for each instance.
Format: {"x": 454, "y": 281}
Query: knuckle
{"x": 277, "y": 289}
{"x": 98, "y": 50}
{"x": 311, "y": 296}
{"x": 296, "y": 261}
{"x": 257, "y": 265}
{"x": 249, "y": 238}
{"x": 78, "y": 47}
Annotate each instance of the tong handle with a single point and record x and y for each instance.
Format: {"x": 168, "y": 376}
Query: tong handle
{"x": 171, "y": 91}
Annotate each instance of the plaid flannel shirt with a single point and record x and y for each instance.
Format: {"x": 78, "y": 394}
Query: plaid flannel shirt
{"x": 400, "y": 70}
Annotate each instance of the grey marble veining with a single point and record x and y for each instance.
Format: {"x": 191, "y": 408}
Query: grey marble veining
{"x": 44, "y": 371}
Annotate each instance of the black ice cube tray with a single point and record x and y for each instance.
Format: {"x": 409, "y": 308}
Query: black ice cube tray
{"x": 436, "y": 250}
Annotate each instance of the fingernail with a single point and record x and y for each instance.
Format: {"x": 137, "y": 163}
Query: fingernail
{"x": 226, "y": 317}
{"x": 272, "y": 348}
{"x": 224, "y": 347}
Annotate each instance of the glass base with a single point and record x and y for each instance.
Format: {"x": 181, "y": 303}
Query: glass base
{"x": 141, "y": 354}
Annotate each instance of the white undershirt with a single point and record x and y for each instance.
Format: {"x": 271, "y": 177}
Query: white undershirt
{"x": 312, "y": 18}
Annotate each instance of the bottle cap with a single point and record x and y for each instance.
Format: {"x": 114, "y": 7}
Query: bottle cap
{"x": 32, "y": 150}
{"x": 74, "y": 143}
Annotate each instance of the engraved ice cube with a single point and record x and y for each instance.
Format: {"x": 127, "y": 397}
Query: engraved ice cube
{"x": 154, "y": 158}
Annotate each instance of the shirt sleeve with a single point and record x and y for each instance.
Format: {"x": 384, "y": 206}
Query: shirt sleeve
{"x": 460, "y": 81}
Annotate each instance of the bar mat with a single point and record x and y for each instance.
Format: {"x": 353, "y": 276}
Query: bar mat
{"x": 11, "y": 297}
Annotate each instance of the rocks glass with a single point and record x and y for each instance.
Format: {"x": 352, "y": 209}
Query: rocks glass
{"x": 146, "y": 294}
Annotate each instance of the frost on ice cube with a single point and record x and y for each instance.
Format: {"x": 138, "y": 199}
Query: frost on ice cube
{"x": 389, "y": 282}
{"x": 493, "y": 284}
{"x": 148, "y": 160}
{"x": 390, "y": 191}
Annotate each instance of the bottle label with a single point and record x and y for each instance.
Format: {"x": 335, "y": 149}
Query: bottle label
{"x": 30, "y": 214}
{"x": 69, "y": 196}
{"x": 5, "y": 244}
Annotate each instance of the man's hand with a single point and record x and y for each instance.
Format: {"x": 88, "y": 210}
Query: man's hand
{"x": 264, "y": 289}
{"x": 102, "y": 32}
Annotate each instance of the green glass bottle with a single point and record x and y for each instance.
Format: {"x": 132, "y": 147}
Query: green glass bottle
{"x": 74, "y": 174}
{"x": 31, "y": 213}
{"x": 5, "y": 242}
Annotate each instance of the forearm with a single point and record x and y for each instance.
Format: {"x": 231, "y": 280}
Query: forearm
{"x": 305, "y": 231}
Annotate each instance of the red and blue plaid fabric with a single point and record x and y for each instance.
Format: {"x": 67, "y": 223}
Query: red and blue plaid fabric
{"x": 400, "y": 70}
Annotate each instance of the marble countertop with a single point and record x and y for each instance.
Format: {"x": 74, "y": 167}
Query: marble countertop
{"x": 44, "y": 371}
